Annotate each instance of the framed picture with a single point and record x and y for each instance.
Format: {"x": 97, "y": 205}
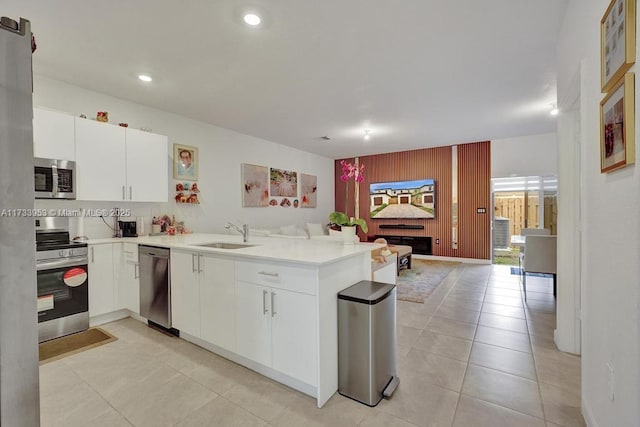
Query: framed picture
{"x": 185, "y": 162}
{"x": 617, "y": 126}
{"x": 618, "y": 41}
{"x": 309, "y": 190}
{"x": 255, "y": 185}
{"x": 283, "y": 183}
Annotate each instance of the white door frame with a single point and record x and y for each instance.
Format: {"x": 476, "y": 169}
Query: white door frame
{"x": 567, "y": 335}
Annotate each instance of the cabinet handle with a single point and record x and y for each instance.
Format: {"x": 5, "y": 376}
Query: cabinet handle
{"x": 193, "y": 263}
{"x": 264, "y": 302}
{"x": 199, "y": 265}
{"x": 123, "y": 195}
{"x": 130, "y": 193}
{"x": 273, "y": 304}
{"x": 136, "y": 271}
{"x": 93, "y": 258}
{"x": 266, "y": 273}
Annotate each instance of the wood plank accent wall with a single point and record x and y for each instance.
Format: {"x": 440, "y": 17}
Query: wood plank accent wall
{"x": 474, "y": 191}
{"x": 423, "y": 164}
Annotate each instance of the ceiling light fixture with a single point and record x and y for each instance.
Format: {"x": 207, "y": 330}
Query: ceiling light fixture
{"x": 366, "y": 135}
{"x": 252, "y": 19}
{"x": 554, "y": 110}
{"x": 145, "y": 78}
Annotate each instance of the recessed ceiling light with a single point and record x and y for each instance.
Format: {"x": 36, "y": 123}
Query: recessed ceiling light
{"x": 366, "y": 135}
{"x": 252, "y": 19}
{"x": 554, "y": 111}
{"x": 145, "y": 78}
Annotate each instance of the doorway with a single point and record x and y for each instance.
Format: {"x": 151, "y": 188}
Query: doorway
{"x": 521, "y": 202}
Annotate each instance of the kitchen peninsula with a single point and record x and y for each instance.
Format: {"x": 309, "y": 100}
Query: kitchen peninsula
{"x": 269, "y": 304}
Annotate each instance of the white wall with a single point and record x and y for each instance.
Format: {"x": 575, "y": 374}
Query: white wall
{"x": 531, "y": 155}
{"x": 611, "y": 232}
{"x": 221, "y": 152}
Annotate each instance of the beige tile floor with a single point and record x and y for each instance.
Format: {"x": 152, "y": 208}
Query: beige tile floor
{"x": 473, "y": 355}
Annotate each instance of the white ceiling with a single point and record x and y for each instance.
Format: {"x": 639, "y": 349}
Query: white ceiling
{"x": 417, "y": 73}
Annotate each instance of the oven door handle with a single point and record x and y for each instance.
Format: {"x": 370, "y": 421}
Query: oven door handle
{"x": 61, "y": 263}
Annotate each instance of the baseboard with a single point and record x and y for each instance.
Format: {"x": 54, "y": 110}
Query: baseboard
{"x": 451, "y": 258}
{"x": 587, "y": 415}
{"x": 108, "y": 317}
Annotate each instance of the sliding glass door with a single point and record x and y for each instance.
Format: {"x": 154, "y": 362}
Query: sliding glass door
{"x": 521, "y": 202}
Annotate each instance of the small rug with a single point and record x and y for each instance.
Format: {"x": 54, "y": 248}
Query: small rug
{"x": 518, "y": 271}
{"x": 416, "y": 284}
{"x": 72, "y": 344}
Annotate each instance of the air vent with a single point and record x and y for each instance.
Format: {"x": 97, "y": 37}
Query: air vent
{"x": 325, "y": 138}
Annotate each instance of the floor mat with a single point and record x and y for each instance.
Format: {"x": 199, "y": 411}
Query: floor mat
{"x": 72, "y": 344}
{"x": 422, "y": 279}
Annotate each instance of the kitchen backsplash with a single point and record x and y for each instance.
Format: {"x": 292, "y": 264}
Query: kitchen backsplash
{"x": 91, "y": 225}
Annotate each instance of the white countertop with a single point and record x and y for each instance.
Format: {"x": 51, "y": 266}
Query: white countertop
{"x": 302, "y": 251}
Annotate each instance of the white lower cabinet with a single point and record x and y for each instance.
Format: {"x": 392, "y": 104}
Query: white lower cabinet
{"x": 277, "y": 328}
{"x": 101, "y": 280}
{"x": 129, "y": 283}
{"x": 185, "y": 292}
{"x": 202, "y": 297}
{"x": 293, "y": 335}
{"x": 253, "y": 322}
{"x": 217, "y": 295}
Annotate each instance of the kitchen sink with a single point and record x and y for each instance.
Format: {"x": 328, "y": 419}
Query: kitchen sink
{"x": 224, "y": 245}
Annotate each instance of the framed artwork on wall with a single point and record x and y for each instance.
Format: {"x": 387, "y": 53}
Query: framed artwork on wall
{"x": 283, "y": 183}
{"x": 617, "y": 126}
{"x": 309, "y": 190}
{"x": 185, "y": 162}
{"x": 255, "y": 185}
{"x": 618, "y": 42}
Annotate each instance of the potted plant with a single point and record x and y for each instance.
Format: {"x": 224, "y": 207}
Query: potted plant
{"x": 341, "y": 219}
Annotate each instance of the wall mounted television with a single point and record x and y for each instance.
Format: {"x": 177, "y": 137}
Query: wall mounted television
{"x": 403, "y": 199}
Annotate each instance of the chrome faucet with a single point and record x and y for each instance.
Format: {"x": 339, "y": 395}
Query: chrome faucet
{"x": 244, "y": 230}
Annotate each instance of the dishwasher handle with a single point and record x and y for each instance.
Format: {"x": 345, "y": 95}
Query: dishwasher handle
{"x": 154, "y": 251}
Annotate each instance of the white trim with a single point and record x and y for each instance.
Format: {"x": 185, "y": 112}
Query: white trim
{"x": 451, "y": 258}
{"x": 588, "y": 415}
{"x": 108, "y": 317}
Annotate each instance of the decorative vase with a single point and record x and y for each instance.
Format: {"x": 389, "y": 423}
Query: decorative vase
{"x": 348, "y": 234}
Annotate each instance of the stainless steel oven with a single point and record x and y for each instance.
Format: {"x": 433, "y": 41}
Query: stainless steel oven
{"x": 62, "y": 279}
{"x": 54, "y": 179}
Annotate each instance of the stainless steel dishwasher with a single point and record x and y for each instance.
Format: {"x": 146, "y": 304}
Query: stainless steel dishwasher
{"x": 155, "y": 293}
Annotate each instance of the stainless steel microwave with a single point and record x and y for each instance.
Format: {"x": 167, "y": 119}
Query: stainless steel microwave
{"x": 54, "y": 179}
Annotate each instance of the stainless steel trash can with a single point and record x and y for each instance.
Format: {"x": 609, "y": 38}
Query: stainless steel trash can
{"x": 367, "y": 341}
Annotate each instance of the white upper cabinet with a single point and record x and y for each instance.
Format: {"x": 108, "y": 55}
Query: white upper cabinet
{"x": 114, "y": 163}
{"x": 147, "y": 166}
{"x": 100, "y": 161}
{"x": 53, "y": 135}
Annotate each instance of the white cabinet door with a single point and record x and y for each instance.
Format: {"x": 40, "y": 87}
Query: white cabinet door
{"x": 217, "y": 301}
{"x": 100, "y": 165}
{"x": 293, "y": 334}
{"x": 185, "y": 293}
{"x": 101, "y": 280}
{"x": 53, "y": 135}
{"x": 129, "y": 292}
{"x": 253, "y": 329}
{"x": 147, "y": 167}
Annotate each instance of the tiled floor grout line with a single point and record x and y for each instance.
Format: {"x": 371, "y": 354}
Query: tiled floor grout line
{"x": 469, "y": 363}
{"x": 466, "y": 368}
{"x": 455, "y": 411}
{"x": 535, "y": 367}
